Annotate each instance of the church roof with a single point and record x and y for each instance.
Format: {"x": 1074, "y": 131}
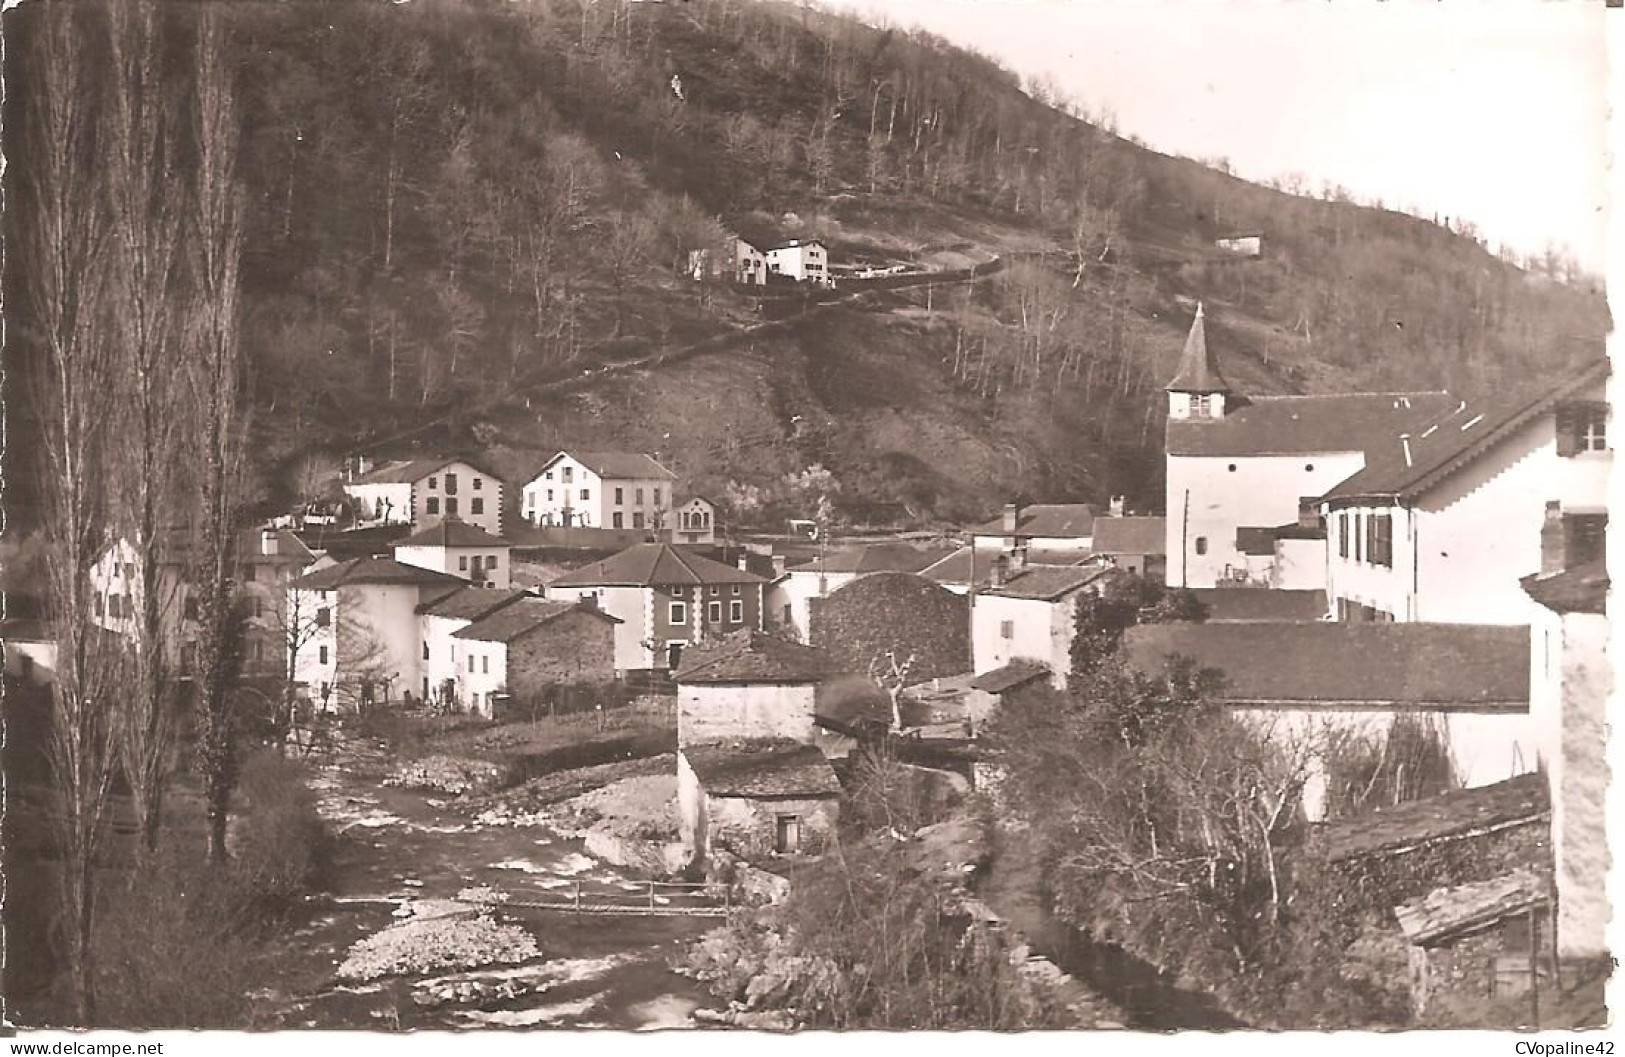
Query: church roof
{"x": 1309, "y": 425}
{"x": 1198, "y": 371}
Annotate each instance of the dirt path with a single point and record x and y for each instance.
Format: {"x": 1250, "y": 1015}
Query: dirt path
{"x": 396, "y": 849}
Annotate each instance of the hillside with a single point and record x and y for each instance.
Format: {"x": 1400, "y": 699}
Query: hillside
{"x": 459, "y": 207}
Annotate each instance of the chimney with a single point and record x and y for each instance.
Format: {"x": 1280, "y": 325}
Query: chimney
{"x": 1119, "y": 505}
{"x": 1020, "y": 555}
{"x": 1011, "y": 511}
{"x": 1405, "y": 442}
{"x": 744, "y": 565}
{"x": 780, "y": 563}
{"x": 996, "y": 574}
{"x": 268, "y": 542}
{"x": 1552, "y": 541}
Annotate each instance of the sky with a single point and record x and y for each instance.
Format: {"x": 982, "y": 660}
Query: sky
{"x": 1489, "y": 110}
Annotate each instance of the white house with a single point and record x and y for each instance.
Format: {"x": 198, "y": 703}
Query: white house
{"x": 1236, "y": 463}
{"x": 666, "y": 598}
{"x": 1052, "y": 528}
{"x": 802, "y": 260}
{"x": 1570, "y": 681}
{"x": 463, "y": 550}
{"x": 419, "y": 491}
{"x": 356, "y": 631}
{"x": 789, "y": 599}
{"x": 1444, "y": 521}
{"x": 519, "y": 649}
{"x": 443, "y": 617}
{"x": 600, "y": 489}
{"x": 1032, "y": 616}
{"x": 30, "y": 651}
{"x": 1249, "y": 245}
{"x": 693, "y": 522}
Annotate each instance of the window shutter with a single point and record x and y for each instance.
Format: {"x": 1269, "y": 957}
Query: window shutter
{"x": 1568, "y": 429}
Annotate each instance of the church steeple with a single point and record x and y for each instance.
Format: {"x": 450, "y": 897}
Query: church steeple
{"x": 1198, "y": 389}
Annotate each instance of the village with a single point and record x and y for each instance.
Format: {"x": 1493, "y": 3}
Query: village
{"x": 1352, "y": 564}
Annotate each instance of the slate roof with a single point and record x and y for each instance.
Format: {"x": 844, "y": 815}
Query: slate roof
{"x": 1331, "y": 665}
{"x": 290, "y": 548}
{"x": 1131, "y": 535}
{"x": 1256, "y": 541}
{"x": 655, "y": 564}
{"x": 615, "y": 465}
{"x": 753, "y": 657}
{"x": 873, "y": 558}
{"x": 405, "y": 471}
{"x": 1256, "y": 603}
{"x": 1308, "y": 425}
{"x": 453, "y": 532}
{"x": 1582, "y": 589}
{"x": 767, "y": 235}
{"x": 1198, "y": 371}
{"x": 763, "y": 769}
{"x": 1446, "y": 913}
{"x": 1454, "y": 440}
{"x": 523, "y": 617}
{"x": 472, "y": 603}
{"x": 955, "y": 568}
{"x": 1059, "y": 520}
{"x": 1007, "y": 678}
{"x": 1049, "y": 582}
{"x": 356, "y": 571}
{"x": 355, "y": 543}
{"x": 1448, "y": 816}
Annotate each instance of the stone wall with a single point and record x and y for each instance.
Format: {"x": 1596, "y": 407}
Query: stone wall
{"x": 747, "y": 827}
{"x": 573, "y": 648}
{"x": 901, "y": 612}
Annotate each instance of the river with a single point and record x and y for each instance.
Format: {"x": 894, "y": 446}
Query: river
{"x": 395, "y": 847}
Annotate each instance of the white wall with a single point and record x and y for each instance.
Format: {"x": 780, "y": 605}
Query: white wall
{"x": 1579, "y": 777}
{"x": 1040, "y": 631}
{"x": 550, "y": 500}
{"x": 397, "y": 497}
{"x": 441, "y": 665}
{"x": 633, "y": 606}
{"x": 458, "y": 561}
{"x": 1262, "y": 490}
{"x": 796, "y": 590}
{"x": 1076, "y": 544}
{"x": 722, "y": 712}
{"x": 482, "y": 669}
{"x": 472, "y": 485}
{"x": 1300, "y": 565}
{"x": 33, "y": 660}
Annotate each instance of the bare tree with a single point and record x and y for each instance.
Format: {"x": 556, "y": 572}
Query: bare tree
{"x": 892, "y": 676}
{"x": 213, "y": 377}
{"x": 66, "y": 233}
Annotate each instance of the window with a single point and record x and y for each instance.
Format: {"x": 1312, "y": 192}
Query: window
{"x": 259, "y": 607}
{"x": 548, "y": 475}
{"x": 1007, "y": 629}
{"x": 1232, "y": 467}
{"x": 550, "y": 495}
{"x": 637, "y": 519}
{"x": 736, "y": 611}
{"x": 432, "y": 505}
{"x": 617, "y": 520}
{"x": 1381, "y": 544}
{"x": 451, "y": 484}
{"x": 1201, "y": 406}
{"x": 1582, "y": 427}
{"x": 425, "y": 650}
{"x": 1201, "y": 545}
{"x": 657, "y": 497}
{"x": 620, "y": 496}
{"x": 258, "y": 650}
{"x": 485, "y": 664}
{"x": 787, "y": 834}
{"x": 1343, "y": 534}
{"x": 738, "y": 590}
{"x": 1585, "y": 536}
{"x": 324, "y": 616}
{"x": 476, "y": 506}
{"x": 585, "y": 495}
{"x": 715, "y": 589}
{"x": 713, "y": 612}
{"x": 1308, "y": 467}
{"x": 569, "y": 474}
{"x": 471, "y": 662}
{"x": 490, "y": 561}
{"x": 451, "y": 506}
{"x": 248, "y": 574}
{"x": 677, "y": 613}
{"x": 321, "y": 654}
{"x": 462, "y": 563}
{"x": 432, "y": 481}
{"x": 478, "y": 483}
{"x": 1359, "y": 536}
{"x": 97, "y": 605}
{"x": 129, "y": 571}
{"x": 637, "y": 493}
{"x": 189, "y": 608}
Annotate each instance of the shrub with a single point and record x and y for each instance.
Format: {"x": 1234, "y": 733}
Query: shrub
{"x": 281, "y": 847}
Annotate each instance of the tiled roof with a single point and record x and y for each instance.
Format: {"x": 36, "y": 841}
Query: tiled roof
{"x": 353, "y": 543}
{"x": 764, "y": 768}
{"x": 1418, "y": 823}
{"x": 1331, "y": 665}
{"x": 1059, "y": 520}
{"x": 1583, "y": 589}
{"x": 289, "y": 548}
{"x": 1049, "y": 582}
{"x": 1455, "y": 439}
{"x": 874, "y": 558}
{"x": 404, "y": 471}
{"x": 753, "y": 657}
{"x": 453, "y": 532}
{"x": 1257, "y": 603}
{"x": 358, "y": 571}
{"x": 1446, "y": 913}
{"x": 655, "y": 564}
{"x": 955, "y": 568}
{"x": 1307, "y": 425}
{"x": 1012, "y": 675}
{"x": 472, "y": 603}
{"x": 526, "y": 615}
{"x": 1131, "y": 535}
{"x": 616, "y": 465}
{"x": 1198, "y": 371}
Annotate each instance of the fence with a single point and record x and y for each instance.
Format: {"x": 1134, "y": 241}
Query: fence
{"x": 656, "y": 899}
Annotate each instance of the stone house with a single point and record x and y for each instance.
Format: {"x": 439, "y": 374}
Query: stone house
{"x": 898, "y": 612}
{"x": 757, "y": 799}
{"x": 1477, "y": 940}
{"x": 792, "y": 592}
{"x": 522, "y": 650}
{"x": 749, "y": 686}
{"x": 443, "y": 617}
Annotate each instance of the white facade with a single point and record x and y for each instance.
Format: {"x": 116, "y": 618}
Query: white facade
{"x": 455, "y": 489}
{"x": 481, "y": 671}
{"x": 440, "y": 655}
{"x": 1211, "y": 496}
{"x": 356, "y": 640}
{"x": 1005, "y": 629}
{"x": 634, "y": 635}
{"x": 802, "y": 261}
{"x": 482, "y": 566}
{"x": 694, "y": 522}
{"x": 718, "y": 712}
{"x": 789, "y": 598}
{"x": 1459, "y": 550}
{"x": 569, "y": 493}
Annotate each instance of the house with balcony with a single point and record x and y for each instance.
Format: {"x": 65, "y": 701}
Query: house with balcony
{"x": 453, "y": 546}
{"x": 600, "y": 489}
{"x": 693, "y": 521}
